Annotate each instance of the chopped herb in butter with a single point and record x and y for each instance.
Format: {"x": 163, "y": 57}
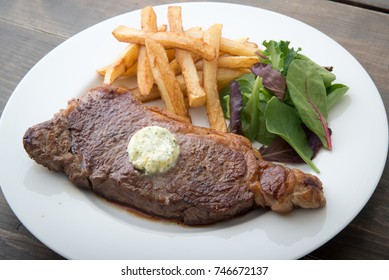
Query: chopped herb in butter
{"x": 153, "y": 149}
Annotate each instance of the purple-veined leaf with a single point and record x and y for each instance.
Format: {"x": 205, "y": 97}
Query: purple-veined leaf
{"x": 235, "y": 108}
{"x": 281, "y": 151}
{"x": 271, "y": 79}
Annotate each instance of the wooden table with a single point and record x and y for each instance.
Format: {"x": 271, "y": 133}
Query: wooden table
{"x": 30, "y": 29}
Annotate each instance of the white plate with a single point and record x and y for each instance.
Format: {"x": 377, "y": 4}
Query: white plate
{"x": 78, "y": 225}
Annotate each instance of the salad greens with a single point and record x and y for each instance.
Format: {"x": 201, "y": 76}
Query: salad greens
{"x": 283, "y": 104}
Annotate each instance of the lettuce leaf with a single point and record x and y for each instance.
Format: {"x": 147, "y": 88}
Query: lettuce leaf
{"x": 311, "y": 66}
{"x": 250, "y": 112}
{"x": 308, "y": 93}
{"x": 334, "y": 93}
{"x": 278, "y": 55}
{"x": 284, "y": 121}
{"x": 271, "y": 79}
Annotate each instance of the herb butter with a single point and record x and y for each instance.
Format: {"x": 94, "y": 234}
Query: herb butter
{"x": 153, "y": 149}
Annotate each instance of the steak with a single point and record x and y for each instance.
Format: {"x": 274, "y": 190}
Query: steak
{"x": 217, "y": 175}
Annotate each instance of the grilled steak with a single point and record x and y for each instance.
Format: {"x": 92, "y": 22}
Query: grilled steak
{"x": 217, "y": 175}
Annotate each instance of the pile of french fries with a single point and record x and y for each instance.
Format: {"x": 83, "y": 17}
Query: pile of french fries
{"x": 186, "y": 68}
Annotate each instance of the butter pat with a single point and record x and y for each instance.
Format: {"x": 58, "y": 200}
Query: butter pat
{"x": 153, "y": 149}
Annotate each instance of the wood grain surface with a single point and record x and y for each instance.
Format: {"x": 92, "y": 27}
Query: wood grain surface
{"x": 30, "y": 29}
{"x": 375, "y": 5}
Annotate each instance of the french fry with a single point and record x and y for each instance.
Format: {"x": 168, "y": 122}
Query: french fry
{"x": 144, "y": 75}
{"x": 130, "y": 71}
{"x": 214, "y": 110}
{"x": 195, "y": 32}
{"x": 236, "y": 48}
{"x": 167, "y": 39}
{"x": 167, "y": 83}
{"x": 195, "y": 92}
{"x": 248, "y": 43}
{"x": 153, "y": 95}
{"x": 194, "y": 28}
{"x": 232, "y": 62}
{"x": 126, "y": 59}
{"x": 243, "y": 40}
{"x": 101, "y": 71}
{"x": 236, "y": 62}
{"x": 233, "y": 47}
{"x": 225, "y": 76}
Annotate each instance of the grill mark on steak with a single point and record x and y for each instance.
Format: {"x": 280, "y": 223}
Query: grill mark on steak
{"x": 217, "y": 175}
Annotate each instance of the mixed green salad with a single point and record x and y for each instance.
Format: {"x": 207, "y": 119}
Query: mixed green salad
{"x": 284, "y": 104}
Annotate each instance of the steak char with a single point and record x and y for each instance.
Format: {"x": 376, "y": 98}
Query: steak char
{"x": 217, "y": 175}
